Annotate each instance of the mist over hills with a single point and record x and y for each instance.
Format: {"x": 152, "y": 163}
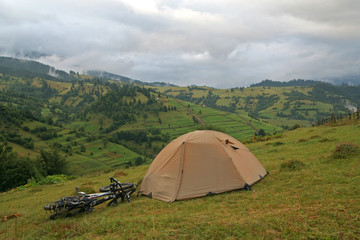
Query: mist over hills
{"x": 107, "y": 75}
{"x": 93, "y": 89}
{"x": 22, "y": 67}
{"x": 30, "y": 67}
{"x": 100, "y": 120}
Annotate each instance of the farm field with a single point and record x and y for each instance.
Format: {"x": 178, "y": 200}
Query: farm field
{"x": 309, "y": 194}
{"x": 63, "y": 116}
{"x": 281, "y": 106}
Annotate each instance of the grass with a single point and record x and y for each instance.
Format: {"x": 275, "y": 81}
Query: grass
{"x": 308, "y": 108}
{"x": 346, "y": 150}
{"x": 97, "y": 157}
{"x": 319, "y": 201}
{"x": 173, "y": 123}
{"x": 292, "y": 165}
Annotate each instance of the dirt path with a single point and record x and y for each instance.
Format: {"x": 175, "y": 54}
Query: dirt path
{"x": 193, "y": 114}
{"x": 248, "y": 122}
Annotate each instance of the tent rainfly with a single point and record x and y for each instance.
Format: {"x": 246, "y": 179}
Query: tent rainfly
{"x": 200, "y": 163}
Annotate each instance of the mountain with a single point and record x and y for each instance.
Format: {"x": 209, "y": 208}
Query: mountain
{"x": 97, "y": 123}
{"x": 349, "y": 80}
{"x": 28, "y": 68}
{"x": 108, "y": 121}
{"x": 292, "y": 83}
{"x": 107, "y": 75}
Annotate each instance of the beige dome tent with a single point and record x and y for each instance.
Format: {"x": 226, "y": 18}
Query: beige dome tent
{"x": 201, "y": 163}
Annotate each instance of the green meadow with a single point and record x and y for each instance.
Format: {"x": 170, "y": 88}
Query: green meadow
{"x": 70, "y": 111}
{"x": 104, "y": 128}
{"x": 312, "y": 192}
{"x": 293, "y": 105}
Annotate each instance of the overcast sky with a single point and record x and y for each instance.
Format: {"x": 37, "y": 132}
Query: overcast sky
{"x": 218, "y": 43}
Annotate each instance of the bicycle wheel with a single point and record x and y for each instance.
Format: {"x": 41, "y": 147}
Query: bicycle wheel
{"x": 125, "y": 186}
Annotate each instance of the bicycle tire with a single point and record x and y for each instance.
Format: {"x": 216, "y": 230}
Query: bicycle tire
{"x": 125, "y": 186}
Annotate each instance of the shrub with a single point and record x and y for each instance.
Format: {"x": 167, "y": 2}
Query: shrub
{"x": 51, "y": 162}
{"x": 139, "y": 161}
{"x": 47, "y": 135}
{"x": 255, "y": 138}
{"x": 51, "y": 179}
{"x": 325, "y": 140}
{"x": 346, "y": 150}
{"x": 293, "y": 165}
{"x": 82, "y": 148}
{"x": 295, "y": 126}
{"x": 275, "y": 144}
{"x": 261, "y": 132}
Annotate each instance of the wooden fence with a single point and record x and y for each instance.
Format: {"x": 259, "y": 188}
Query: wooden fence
{"x": 334, "y": 118}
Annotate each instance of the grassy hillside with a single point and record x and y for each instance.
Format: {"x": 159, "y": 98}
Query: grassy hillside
{"x": 281, "y": 106}
{"x": 308, "y": 194}
{"x": 88, "y": 118}
{"x": 102, "y": 123}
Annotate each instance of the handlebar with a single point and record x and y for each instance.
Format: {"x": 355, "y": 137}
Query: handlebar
{"x": 121, "y": 187}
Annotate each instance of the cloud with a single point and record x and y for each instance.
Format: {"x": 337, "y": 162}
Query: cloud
{"x": 205, "y": 42}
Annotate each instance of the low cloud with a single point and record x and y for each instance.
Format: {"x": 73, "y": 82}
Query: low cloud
{"x": 217, "y": 43}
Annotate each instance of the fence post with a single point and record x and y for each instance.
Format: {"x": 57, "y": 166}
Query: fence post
{"x": 333, "y": 118}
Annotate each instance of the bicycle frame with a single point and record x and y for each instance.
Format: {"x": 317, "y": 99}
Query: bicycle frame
{"x": 86, "y": 202}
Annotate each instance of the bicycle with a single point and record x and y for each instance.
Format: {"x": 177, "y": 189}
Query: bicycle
{"x": 73, "y": 205}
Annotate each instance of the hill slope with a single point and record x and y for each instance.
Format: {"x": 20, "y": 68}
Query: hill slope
{"x": 99, "y": 123}
{"x": 280, "y": 105}
{"x": 28, "y": 68}
{"x": 315, "y": 198}
{"x": 107, "y": 75}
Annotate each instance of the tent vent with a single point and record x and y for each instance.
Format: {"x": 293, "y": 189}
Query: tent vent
{"x": 150, "y": 195}
{"x": 260, "y": 176}
{"x": 235, "y": 148}
{"x": 247, "y": 187}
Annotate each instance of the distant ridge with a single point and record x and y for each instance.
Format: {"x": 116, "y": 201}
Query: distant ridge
{"x": 29, "y": 68}
{"x": 103, "y": 74}
{"x": 107, "y": 75}
{"x": 292, "y": 83}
